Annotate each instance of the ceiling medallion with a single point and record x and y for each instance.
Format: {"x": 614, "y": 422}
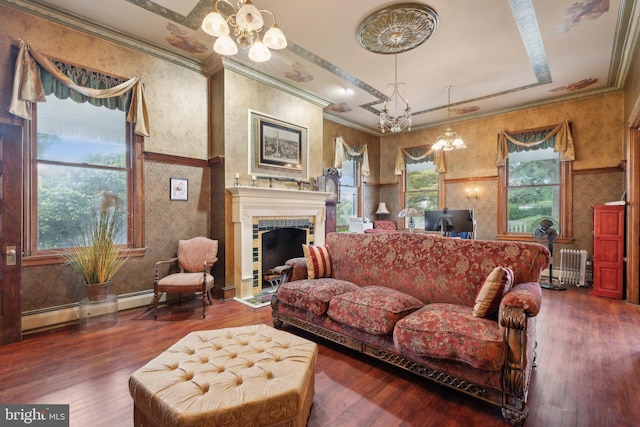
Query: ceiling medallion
{"x": 397, "y": 28}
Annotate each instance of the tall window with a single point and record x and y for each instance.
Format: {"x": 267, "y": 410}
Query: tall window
{"x": 348, "y": 206}
{"x": 81, "y": 157}
{"x": 533, "y": 188}
{"x": 421, "y": 188}
{"x": 82, "y": 153}
{"x": 535, "y": 182}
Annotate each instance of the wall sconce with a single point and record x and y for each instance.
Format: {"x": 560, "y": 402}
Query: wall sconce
{"x": 472, "y": 193}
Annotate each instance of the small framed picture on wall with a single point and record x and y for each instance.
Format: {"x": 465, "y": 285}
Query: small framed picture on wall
{"x": 179, "y": 189}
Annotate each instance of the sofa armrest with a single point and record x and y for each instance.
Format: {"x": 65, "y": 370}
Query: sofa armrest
{"x": 523, "y": 298}
{"x": 299, "y": 270}
{"x": 518, "y": 309}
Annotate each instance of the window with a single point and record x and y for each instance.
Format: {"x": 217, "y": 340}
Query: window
{"x": 535, "y": 183}
{"x": 533, "y": 188}
{"x": 421, "y": 188}
{"x": 79, "y": 153}
{"x": 348, "y": 206}
{"x": 81, "y": 157}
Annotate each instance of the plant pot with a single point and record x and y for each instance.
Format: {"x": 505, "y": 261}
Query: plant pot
{"x": 98, "y": 291}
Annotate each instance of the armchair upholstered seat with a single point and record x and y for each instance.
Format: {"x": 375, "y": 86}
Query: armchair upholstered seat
{"x": 383, "y": 226}
{"x": 194, "y": 259}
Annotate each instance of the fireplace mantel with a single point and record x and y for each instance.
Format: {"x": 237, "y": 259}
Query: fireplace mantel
{"x": 252, "y": 203}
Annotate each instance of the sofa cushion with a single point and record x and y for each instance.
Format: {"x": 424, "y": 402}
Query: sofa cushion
{"x": 450, "y": 331}
{"x": 373, "y": 309}
{"x": 494, "y": 287}
{"x": 318, "y": 261}
{"x": 313, "y": 295}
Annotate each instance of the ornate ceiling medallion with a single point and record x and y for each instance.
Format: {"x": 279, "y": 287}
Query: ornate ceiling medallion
{"x": 397, "y": 28}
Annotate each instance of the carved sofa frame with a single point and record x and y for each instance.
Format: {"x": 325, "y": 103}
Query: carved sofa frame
{"x": 516, "y": 318}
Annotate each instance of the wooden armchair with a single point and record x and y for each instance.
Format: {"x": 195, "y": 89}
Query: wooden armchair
{"x": 195, "y": 258}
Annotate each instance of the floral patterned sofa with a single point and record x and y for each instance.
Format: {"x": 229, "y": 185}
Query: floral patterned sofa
{"x": 419, "y": 301}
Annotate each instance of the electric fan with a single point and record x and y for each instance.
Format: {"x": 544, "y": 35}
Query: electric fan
{"x": 546, "y": 231}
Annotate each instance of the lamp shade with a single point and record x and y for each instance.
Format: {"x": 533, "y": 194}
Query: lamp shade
{"x": 214, "y": 24}
{"x": 382, "y": 209}
{"x": 249, "y": 17}
{"x": 274, "y": 38}
{"x": 409, "y": 212}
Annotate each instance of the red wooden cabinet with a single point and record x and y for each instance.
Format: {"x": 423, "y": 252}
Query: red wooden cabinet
{"x": 608, "y": 251}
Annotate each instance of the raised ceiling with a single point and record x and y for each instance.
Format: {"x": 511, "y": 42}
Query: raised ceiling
{"x": 499, "y": 55}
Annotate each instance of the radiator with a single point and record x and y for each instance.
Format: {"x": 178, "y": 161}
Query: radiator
{"x": 573, "y": 267}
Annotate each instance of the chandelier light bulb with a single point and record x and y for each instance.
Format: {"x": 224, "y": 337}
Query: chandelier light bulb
{"x": 215, "y": 25}
{"x": 274, "y": 38}
{"x": 225, "y": 46}
{"x": 259, "y": 52}
{"x": 249, "y": 17}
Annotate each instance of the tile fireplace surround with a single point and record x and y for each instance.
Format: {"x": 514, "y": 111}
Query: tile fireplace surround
{"x": 251, "y": 205}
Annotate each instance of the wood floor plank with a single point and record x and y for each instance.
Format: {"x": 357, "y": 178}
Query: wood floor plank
{"x": 588, "y": 369}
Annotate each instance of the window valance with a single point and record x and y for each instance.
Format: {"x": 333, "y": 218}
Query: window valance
{"x": 418, "y": 155}
{"x": 344, "y": 152}
{"x": 560, "y": 137}
{"x": 28, "y": 88}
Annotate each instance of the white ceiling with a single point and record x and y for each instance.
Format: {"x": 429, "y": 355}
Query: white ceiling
{"x": 493, "y": 65}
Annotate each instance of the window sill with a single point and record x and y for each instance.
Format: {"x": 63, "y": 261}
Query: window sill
{"x": 528, "y": 238}
{"x": 56, "y": 258}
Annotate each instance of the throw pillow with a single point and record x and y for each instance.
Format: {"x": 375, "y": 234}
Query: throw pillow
{"x": 491, "y": 292}
{"x": 318, "y": 261}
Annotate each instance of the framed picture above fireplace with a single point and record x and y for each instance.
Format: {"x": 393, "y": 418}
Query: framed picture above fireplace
{"x": 278, "y": 148}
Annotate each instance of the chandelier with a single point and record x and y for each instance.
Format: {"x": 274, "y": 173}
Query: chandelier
{"x": 449, "y": 140}
{"x": 399, "y": 117}
{"x": 247, "y": 22}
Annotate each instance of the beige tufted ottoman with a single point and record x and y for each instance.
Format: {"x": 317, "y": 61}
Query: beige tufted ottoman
{"x": 247, "y": 376}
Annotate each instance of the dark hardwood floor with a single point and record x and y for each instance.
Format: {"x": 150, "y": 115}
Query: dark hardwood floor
{"x": 588, "y": 370}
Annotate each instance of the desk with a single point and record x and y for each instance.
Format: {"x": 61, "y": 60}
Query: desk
{"x": 97, "y": 315}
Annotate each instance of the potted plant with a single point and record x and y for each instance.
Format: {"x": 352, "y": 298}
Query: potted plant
{"x": 99, "y": 257}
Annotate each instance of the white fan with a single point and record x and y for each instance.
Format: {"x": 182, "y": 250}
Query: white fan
{"x": 546, "y": 231}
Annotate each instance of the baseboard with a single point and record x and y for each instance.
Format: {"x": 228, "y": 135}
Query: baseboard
{"x": 58, "y": 316}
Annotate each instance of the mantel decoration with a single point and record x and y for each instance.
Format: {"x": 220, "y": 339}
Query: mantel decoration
{"x": 392, "y": 30}
{"x": 247, "y": 23}
{"x": 410, "y": 212}
{"x": 100, "y": 258}
{"x": 449, "y": 140}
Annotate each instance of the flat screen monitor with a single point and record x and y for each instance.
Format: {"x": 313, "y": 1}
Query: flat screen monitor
{"x": 460, "y": 220}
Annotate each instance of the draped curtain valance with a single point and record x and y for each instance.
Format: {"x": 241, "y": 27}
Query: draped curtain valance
{"x": 344, "y": 152}
{"x": 28, "y": 87}
{"x": 559, "y": 138}
{"x": 406, "y": 156}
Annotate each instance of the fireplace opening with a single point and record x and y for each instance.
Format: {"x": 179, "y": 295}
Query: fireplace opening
{"x": 278, "y": 246}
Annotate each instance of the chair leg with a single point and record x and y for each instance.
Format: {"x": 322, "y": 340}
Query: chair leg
{"x": 156, "y": 297}
{"x": 204, "y": 305}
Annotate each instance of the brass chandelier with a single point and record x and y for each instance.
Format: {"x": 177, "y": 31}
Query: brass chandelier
{"x": 247, "y": 23}
{"x": 449, "y": 140}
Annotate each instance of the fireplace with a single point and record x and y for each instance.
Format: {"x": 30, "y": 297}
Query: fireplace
{"x": 256, "y": 211}
{"x": 278, "y": 245}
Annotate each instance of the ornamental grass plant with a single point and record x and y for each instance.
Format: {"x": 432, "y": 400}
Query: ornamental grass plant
{"x": 99, "y": 258}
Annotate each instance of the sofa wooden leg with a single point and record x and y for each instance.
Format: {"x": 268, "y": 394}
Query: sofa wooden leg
{"x": 515, "y": 417}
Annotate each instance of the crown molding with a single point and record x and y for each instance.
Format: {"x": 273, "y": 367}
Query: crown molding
{"x": 237, "y": 66}
{"x": 95, "y": 29}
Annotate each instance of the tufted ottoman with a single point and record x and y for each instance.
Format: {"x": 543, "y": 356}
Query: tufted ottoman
{"x": 247, "y": 376}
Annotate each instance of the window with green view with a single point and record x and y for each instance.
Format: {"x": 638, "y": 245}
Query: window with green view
{"x": 80, "y": 156}
{"x": 533, "y": 188}
{"x": 421, "y": 188}
{"x": 348, "y": 206}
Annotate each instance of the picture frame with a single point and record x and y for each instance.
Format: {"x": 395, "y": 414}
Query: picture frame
{"x": 178, "y": 189}
{"x": 278, "y": 148}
